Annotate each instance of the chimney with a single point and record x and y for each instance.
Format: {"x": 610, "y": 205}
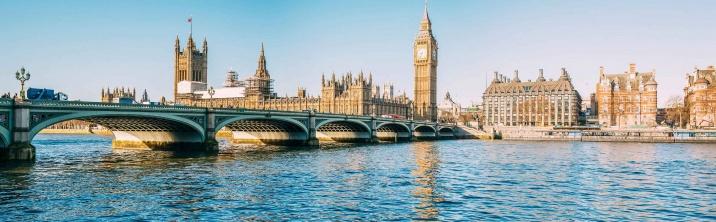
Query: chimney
{"x": 632, "y": 68}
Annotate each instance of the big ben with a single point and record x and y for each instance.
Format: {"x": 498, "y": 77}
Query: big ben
{"x": 425, "y": 59}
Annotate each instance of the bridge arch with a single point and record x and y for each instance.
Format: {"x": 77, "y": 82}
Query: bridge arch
{"x": 424, "y": 128}
{"x": 343, "y": 130}
{"x": 425, "y": 132}
{"x": 4, "y": 137}
{"x": 446, "y": 133}
{"x": 392, "y": 131}
{"x": 136, "y": 130}
{"x": 402, "y": 125}
{"x": 223, "y": 123}
{"x": 265, "y": 130}
{"x": 446, "y": 130}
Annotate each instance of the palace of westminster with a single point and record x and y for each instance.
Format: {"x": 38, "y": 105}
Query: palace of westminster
{"x": 622, "y": 100}
{"x": 350, "y": 93}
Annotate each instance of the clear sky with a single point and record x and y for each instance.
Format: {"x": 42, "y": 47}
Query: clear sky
{"x": 78, "y": 47}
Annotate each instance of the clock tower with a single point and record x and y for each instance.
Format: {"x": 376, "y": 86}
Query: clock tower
{"x": 425, "y": 60}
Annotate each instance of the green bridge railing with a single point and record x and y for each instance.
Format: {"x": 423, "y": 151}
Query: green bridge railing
{"x": 146, "y": 107}
{"x": 6, "y": 102}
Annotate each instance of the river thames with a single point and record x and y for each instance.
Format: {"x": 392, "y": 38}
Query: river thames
{"x": 82, "y": 178}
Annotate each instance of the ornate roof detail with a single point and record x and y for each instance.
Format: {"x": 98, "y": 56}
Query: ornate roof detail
{"x": 701, "y": 81}
{"x": 541, "y": 85}
{"x": 629, "y": 80}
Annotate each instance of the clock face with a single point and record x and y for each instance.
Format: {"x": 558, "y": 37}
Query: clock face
{"x": 422, "y": 53}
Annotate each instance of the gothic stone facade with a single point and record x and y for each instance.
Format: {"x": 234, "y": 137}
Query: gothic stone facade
{"x": 190, "y": 64}
{"x": 700, "y": 100}
{"x": 626, "y": 99}
{"x": 346, "y": 95}
{"x": 352, "y": 95}
{"x": 511, "y": 102}
{"x": 117, "y": 94}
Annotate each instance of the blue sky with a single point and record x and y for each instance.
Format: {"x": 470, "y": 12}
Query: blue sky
{"x": 78, "y": 47}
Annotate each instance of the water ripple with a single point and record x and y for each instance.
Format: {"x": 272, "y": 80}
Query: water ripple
{"x": 81, "y": 178}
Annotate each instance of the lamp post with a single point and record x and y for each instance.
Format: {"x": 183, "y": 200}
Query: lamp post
{"x": 211, "y": 96}
{"x": 22, "y": 76}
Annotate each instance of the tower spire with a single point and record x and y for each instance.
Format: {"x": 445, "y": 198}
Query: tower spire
{"x": 425, "y": 24}
{"x": 261, "y": 70}
{"x": 204, "y": 45}
{"x": 425, "y": 11}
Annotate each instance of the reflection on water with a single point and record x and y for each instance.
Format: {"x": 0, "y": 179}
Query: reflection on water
{"x": 80, "y": 177}
{"x": 426, "y": 159}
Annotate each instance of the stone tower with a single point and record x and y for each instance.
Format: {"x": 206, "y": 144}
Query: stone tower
{"x": 425, "y": 59}
{"x": 260, "y": 85}
{"x": 189, "y": 64}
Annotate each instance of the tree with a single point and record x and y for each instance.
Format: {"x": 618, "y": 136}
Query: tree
{"x": 675, "y": 112}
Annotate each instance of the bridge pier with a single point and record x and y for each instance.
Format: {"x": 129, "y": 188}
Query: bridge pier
{"x": 312, "y": 131}
{"x": 18, "y": 152}
{"x": 373, "y": 131}
{"x": 20, "y": 148}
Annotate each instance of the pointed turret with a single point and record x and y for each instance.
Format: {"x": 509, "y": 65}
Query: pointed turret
{"x": 145, "y": 97}
{"x": 204, "y": 45}
{"x": 177, "y": 44}
{"x": 190, "y": 43}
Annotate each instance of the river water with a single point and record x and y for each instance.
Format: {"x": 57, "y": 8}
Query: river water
{"x": 81, "y": 177}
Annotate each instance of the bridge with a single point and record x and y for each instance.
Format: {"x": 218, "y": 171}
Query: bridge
{"x": 194, "y": 128}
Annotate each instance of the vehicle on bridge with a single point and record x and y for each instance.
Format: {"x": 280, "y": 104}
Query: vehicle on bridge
{"x": 45, "y": 94}
{"x": 392, "y": 116}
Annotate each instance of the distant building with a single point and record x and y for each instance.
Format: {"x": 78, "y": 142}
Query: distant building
{"x": 190, "y": 66}
{"x": 119, "y": 95}
{"x": 349, "y": 94}
{"x": 700, "y": 100}
{"x": 449, "y": 111}
{"x": 145, "y": 98}
{"x": 472, "y": 116}
{"x": 511, "y": 102}
{"x": 627, "y": 99}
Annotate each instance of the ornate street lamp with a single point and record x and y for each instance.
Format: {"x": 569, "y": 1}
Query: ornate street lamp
{"x": 211, "y": 96}
{"x": 22, "y": 76}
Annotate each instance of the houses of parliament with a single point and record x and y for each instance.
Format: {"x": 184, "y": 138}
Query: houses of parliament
{"x": 349, "y": 93}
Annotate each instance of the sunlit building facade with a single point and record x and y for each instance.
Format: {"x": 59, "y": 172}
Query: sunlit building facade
{"x": 627, "y": 99}
{"x": 512, "y": 102}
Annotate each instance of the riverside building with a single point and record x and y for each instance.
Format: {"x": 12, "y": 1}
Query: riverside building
{"x": 627, "y": 99}
{"x": 700, "y": 100}
{"x": 512, "y": 102}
